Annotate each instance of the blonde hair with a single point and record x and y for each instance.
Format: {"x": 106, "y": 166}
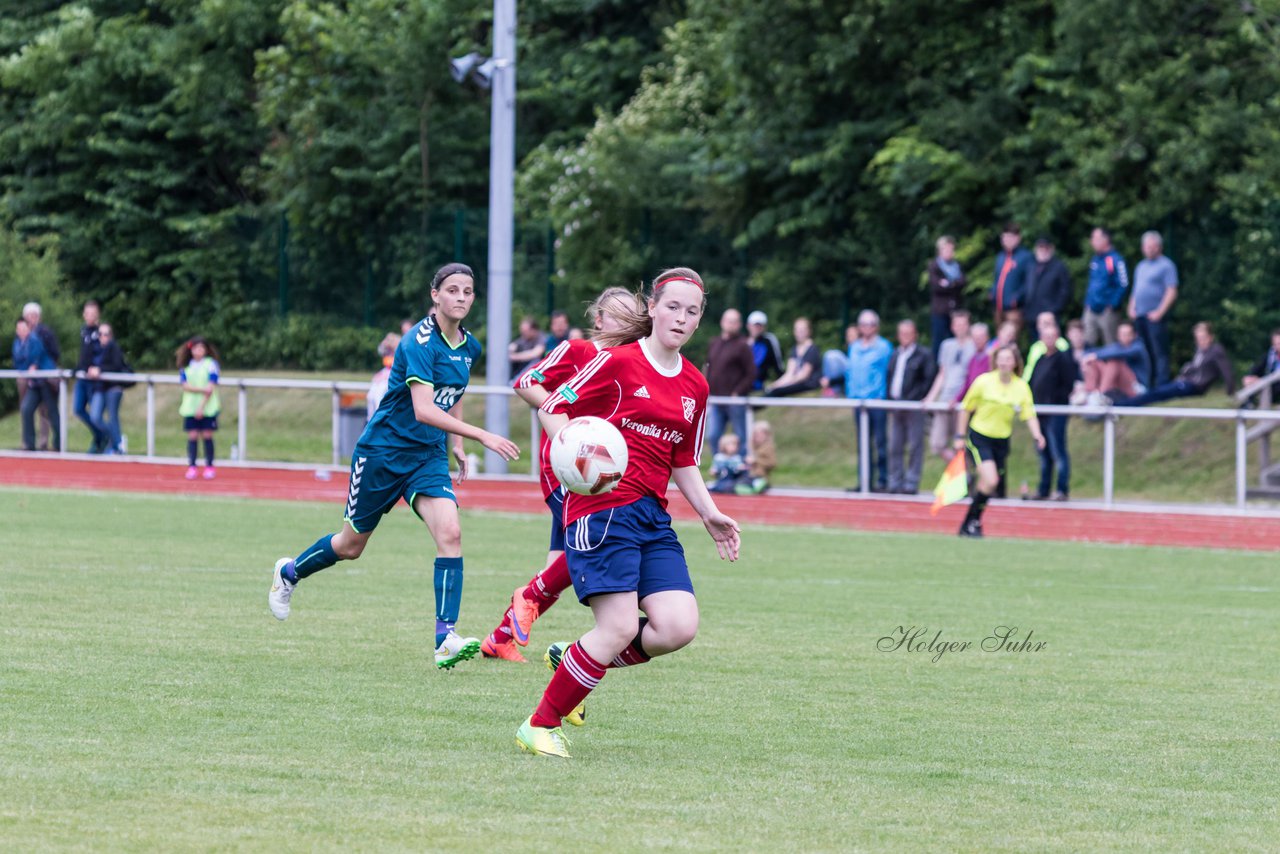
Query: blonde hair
{"x": 617, "y": 302}
{"x": 640, "y": 324}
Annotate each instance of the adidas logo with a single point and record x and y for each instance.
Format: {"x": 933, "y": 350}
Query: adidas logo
{"x": 642, "y": 392}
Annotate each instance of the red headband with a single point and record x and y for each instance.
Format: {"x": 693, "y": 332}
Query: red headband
{"x": 697, "y": 285}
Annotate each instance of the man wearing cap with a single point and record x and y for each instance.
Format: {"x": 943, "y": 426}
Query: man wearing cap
{"x": 730, "y": 371}
{"x": 765, "y": 349}
{"x": 1049, "y": 284}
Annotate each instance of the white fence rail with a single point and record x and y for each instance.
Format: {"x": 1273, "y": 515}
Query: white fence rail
{"x": 861, "y": 409}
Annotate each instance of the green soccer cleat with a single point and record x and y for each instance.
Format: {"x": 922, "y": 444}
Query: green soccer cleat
{"x": 541, "y": 741}
{"x": 455, "y": 650}
{"x": 554, "y": 653}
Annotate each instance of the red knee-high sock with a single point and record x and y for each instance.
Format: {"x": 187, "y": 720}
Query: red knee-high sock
{"x": 574, "y": 679}
{"x": 545, "y": 587}
{"x": 502, "y": 633}
{"x": 634, "y": 653}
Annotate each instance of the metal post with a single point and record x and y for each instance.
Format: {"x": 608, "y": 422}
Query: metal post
{"x": 1242, "y": 460}
{"x": 502, "y": 160}
{"x": 864, "y": 450}
{"x": 151, "y": 418}
{"x": 62, "y": 414}
{"x": 337, "y": 414}
{"x": 242, "y": 419}
{"x": 1108, "y": 459}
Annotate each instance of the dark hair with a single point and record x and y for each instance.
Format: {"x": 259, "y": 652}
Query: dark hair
{"x": 532, "y": 321}
{"x": 1205, "y": 325}
{"x": 1011, "y": 227}
{"x": 1075, "y": 323}
{"x": 559, "y": 313}
{"x": 1043, "y": 240}
{"x": 184, "y": 352}
{"x": 961, "y": 312}
{"x": 449, "y": 270}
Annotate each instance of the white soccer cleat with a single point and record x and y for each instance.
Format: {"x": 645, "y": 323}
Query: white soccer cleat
{"x": 281, "y": 591}
{"x": 456, "y": 649}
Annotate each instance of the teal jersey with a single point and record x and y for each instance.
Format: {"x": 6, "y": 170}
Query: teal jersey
{"x": 424, "y": 356}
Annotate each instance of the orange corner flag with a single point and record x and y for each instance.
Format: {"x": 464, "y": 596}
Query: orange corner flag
{"x": 952, "y": 486}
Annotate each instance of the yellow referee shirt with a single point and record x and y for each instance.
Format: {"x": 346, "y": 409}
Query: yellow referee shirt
{"x": 994, "y": 404}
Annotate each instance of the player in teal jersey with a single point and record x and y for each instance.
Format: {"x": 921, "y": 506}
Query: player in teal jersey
{"x": 403, "y": 453}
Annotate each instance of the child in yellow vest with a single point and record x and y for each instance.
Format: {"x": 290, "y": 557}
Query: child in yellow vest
{"x": 198, "y": 363}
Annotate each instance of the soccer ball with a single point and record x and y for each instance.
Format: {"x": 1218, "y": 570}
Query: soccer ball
{"x": 589, "y": 456}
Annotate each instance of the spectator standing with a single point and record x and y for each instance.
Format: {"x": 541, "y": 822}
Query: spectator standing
{"x": 804, "y": 365}
{"x": 29, "y": 355}
{"x": 946, "y": 291}
{"x": 764, "y": 348}
{"x": 199, "y": 371}
{"x": 1105, "y": 294}
{"x": 528, "y": 348}
{"x": 1115, "y": 370}
{"x": 1267, "y": 365}
{"x": 1155, "y": 288}
{"x": 84, "y": 388}
{"x": 911, "y": 373}
{"x": 1209, "y": 365}
{"x": 1013, "y": 268}
{"x": 106, "y": 395}
{"x": 1038, "y": 347}
{"x": 49, "y": 339}
{"x": 980, "y": 363}
{"x": 1051, "y": 382}
{"x": 730, "y": 370}
{"x": 378, "y": 383}
{"x": 1049, "y": 288}
{"x": 558, "y": 330}
{"x": 953, "y": 367}
{"x": 868, "y": 379}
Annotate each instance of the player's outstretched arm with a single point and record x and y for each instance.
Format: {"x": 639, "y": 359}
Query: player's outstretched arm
{"x": 722, "y": 529}
{"x": 426, "y": 411}
{"x": 533, "y": 395}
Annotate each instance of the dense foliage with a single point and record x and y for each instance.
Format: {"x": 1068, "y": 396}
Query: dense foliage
{"x": 269, "y": 171}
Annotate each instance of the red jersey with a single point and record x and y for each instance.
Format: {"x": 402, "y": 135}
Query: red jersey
{"x": 555, "y": 369}
{"x": 661, "y": 414}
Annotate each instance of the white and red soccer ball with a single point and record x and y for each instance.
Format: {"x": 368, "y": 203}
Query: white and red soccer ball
{"x": 589, "y": 456}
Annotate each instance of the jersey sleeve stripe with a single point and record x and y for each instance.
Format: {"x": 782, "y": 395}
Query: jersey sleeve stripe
{"x": 698, "y": 438}
{"x": 538, "y": 371}
{"x": 569, "y": 391}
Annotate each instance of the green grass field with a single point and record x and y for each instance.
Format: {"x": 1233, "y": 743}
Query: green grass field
{"x": 1156, "y": 460}
{"x": 150, "y": 702}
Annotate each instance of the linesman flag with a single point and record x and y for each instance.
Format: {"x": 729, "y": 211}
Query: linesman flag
{"x": 952, "y": 486}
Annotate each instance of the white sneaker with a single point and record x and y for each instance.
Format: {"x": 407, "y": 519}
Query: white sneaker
{"x": 281, "y": 591}
{"x": 1096, "y": 399}
{"x": 456, "y": 649}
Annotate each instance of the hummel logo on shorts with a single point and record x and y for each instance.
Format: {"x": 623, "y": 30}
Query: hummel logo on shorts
{"x": 642, "y": 392}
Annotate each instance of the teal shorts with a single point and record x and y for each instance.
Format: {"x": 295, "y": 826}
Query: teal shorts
{"x": 378, "y": 480}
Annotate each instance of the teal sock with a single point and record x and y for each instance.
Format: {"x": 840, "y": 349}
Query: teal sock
{"x": 318, "y": 556}
{"x": 448, "y": 577}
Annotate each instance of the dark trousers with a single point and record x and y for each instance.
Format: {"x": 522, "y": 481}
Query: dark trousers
{"x": 80, "y": 408}
{"x": 39, "y": 393}
{"x": 877, "y": 437}
{"x": 1054, "y": 453}
{"x": 1155, "y": 335}
{"x": 906, "y": 436}
{"x": 1167, "y": 391}
{"x": 940, "y": 327}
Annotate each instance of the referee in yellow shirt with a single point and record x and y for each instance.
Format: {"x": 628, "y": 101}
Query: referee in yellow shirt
{"x": 986, "y": 416}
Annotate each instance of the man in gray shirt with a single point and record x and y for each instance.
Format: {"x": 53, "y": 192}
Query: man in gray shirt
{"x": 1155, "y": 287}
{"x": 953, "y": 367}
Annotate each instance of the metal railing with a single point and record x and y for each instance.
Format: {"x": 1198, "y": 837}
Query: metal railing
{"x": 1108, "y": 415}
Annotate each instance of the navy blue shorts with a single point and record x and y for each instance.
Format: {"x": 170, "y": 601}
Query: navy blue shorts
{"x": 555, "y": 503}
{"x": 378, "y": 480}
{"x": 624, "y": 549}
{"x": 190, "y": 422}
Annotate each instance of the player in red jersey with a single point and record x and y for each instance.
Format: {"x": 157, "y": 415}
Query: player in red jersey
{"x": 607, "y": 314}
{"x": 622, "y": 553}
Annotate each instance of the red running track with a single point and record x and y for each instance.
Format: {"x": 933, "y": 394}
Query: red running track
{"x": 1256, "y": 531}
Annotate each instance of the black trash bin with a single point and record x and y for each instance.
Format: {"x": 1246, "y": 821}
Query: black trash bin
{"x": 351, "y": 421}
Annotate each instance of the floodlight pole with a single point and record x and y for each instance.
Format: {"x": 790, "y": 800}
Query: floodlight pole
{"x": 502, "y": 167}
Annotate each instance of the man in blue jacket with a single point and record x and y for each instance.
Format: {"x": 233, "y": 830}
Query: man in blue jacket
{"x": 1014, "y": 266}
{"x": 29, "y": 355}
{"x": 1105, "y": 295}
{"x": 866, "y": 378}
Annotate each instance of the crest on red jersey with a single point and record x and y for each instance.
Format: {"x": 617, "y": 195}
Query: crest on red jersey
{"x": 689, "y": 404}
